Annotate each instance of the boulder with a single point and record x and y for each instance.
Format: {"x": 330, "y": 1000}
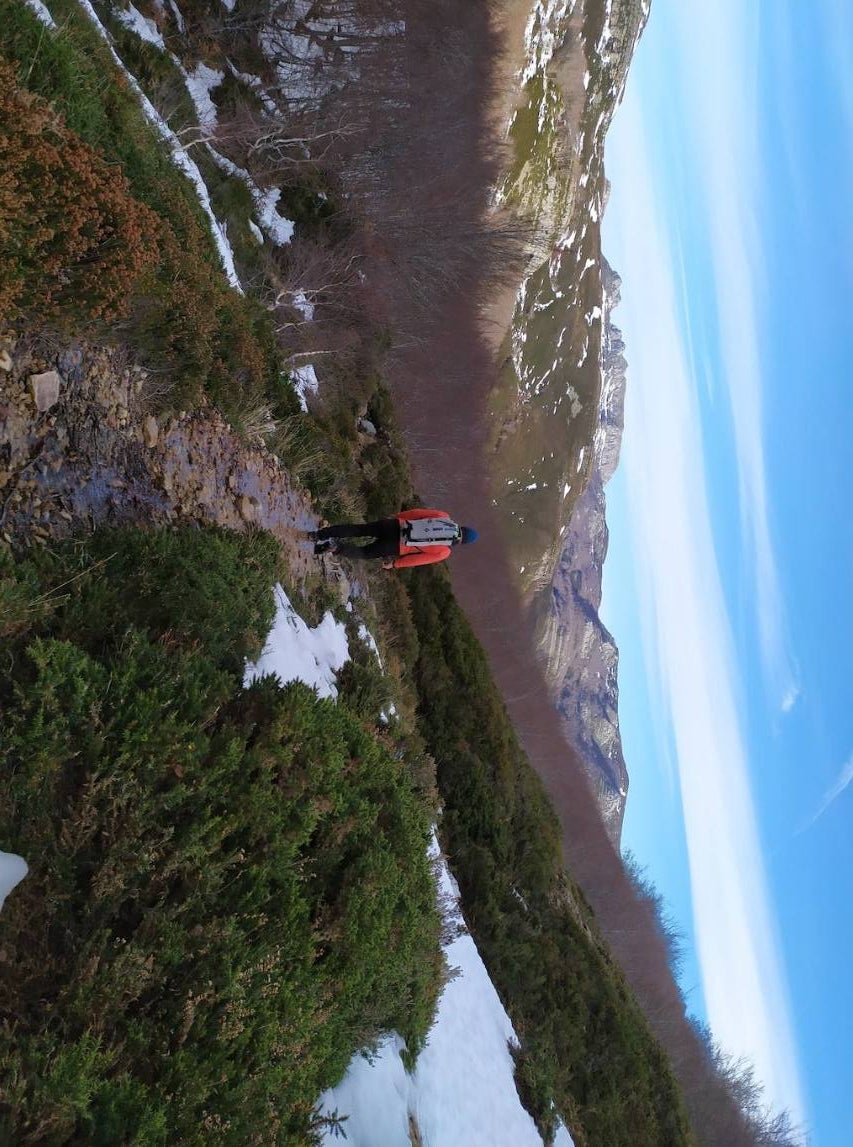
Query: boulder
{"x": 45, "y": 388}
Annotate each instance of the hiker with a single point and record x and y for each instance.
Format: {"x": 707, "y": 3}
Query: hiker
{"x": 410, "y": 538}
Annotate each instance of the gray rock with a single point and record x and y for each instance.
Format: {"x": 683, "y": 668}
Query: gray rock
{"x": 45, "y": 388}
{"x": 367, "y": 427}
{"x": 5, "y": 360}
{"x": 150, "y": 431}
{"x": 248, "y": 508}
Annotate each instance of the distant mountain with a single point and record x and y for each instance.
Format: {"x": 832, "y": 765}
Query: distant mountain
{"x": 558, "y": 405}
{"x": 580, "y": 654}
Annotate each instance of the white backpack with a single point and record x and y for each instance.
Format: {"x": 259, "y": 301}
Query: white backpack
{"x": 431, "y": 532}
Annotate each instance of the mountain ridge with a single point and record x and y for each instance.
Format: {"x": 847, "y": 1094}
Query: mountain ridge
{"x": 581, "y": 657}
{"x": 557, "y": 410}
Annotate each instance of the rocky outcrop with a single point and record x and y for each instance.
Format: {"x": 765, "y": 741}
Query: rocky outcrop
{"x": 97, "y": 456}
{"x": 581, "y": 656}
{"x": 45, "y": 389}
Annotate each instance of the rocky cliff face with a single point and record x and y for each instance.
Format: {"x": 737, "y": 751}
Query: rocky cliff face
{"x": 558, "y": 404}
{"x": 581, "y": 656}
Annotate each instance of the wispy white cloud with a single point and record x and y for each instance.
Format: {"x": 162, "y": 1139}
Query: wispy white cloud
{"x": 791, "y": 698}
{"x": 716, "y": 49}
{"x": 845, "y": 778}
{"x": 690, "y": 654}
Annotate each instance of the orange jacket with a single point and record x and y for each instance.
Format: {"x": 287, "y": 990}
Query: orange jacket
{"x": 415, "y": 555}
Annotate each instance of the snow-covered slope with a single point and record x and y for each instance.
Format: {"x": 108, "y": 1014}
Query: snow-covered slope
{"x": 462, "y": 1092}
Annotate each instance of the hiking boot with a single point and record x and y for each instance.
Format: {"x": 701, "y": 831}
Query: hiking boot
{"x": 325, "y": 546}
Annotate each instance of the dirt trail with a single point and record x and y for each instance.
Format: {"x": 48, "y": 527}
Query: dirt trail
{"x": 97, "y": 458}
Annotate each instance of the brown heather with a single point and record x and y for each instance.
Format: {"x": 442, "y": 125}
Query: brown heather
{"x": 72, "y": 237}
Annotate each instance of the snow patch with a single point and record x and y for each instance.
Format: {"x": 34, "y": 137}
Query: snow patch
{"x": 543, "y": 34}
{"x": 367, "y": 637}
{"x": 13, "y": 869}
{"x": 200, "y": 83}
{"x": 42, "y": 13}
{"x": 462, "y": 1092}
{"x": 304, "y": 382}
{"x": 298, "y": 45}
{"x": 387, "y": 713}
{"x": 305, "y": 308}
{"x": 179, "y": 155}
{"x": 583, "y": 354}
{"x": 293, "y": 652}
{"x": 179, "y": 17}
{"x": 145, "y": 28}
{"x": 606, "y": 30}
{"x": 257, "y": 85}
{"x": 279, "y": 229}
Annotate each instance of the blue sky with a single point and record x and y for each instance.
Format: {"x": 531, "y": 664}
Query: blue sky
{"x": 727, "y": 585}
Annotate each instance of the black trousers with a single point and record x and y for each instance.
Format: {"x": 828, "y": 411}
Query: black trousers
{"x": 385, "y": 532}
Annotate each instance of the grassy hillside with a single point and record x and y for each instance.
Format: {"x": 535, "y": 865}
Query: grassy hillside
{"x": 229, "y": 892}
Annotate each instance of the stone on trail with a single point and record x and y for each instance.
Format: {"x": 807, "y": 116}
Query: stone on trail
{"x": 150, "y": 431}
{"x": 45, "y": 388}
{"x": 248, "y": 508}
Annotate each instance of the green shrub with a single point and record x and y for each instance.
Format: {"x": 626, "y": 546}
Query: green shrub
{"x": 229, "y": 891}
{"x": 384, "y": 465}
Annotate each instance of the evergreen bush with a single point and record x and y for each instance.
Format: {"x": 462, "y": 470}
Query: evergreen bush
{"x": 229, "y": 892}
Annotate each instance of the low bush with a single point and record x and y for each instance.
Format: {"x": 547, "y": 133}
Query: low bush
{"x": 73, "y": 240}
